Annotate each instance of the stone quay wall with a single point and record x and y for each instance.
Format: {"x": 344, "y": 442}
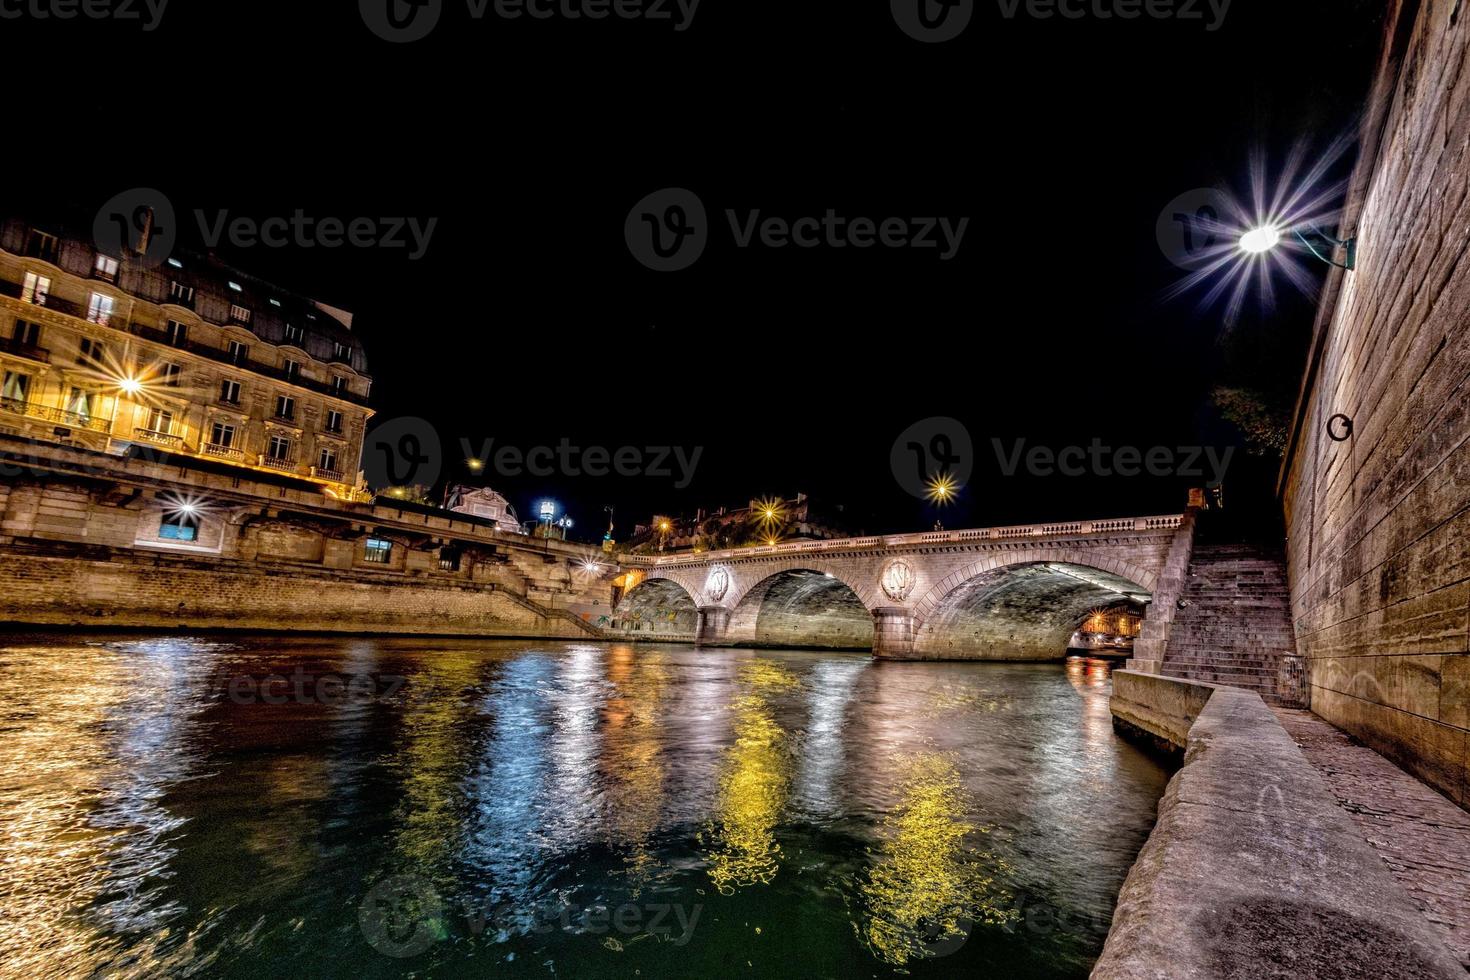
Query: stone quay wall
{"x": 84, "y": 542}
{"x": 1378, "y": 515}
{"x": 1252, "y": 869}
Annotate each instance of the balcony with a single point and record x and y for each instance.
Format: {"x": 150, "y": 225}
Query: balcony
{"x": 166, "y": 439}
{"x": 322, "y": 473}
{"x": 287, "y": 464}
{"x": 28, "y": 351}
{"x": 217, "y": 451}
{"x": 46, "y": 413}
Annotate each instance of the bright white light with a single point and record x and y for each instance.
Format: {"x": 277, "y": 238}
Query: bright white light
{"x": 130, "y": 386}
{"x": 1260, "y": 240}
{"x": 188, "y": 509}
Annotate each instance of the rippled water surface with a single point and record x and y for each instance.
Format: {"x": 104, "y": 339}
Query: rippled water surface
{"x": 251, "y": 807}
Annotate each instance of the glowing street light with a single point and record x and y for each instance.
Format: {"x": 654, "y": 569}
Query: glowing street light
{"x": 942, "y": 488}
{"x": 1260, "y": 240}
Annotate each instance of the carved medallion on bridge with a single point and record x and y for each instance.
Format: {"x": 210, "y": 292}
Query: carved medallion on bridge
{"x": 717, "y": 584}
{"x": 898, "y": 580}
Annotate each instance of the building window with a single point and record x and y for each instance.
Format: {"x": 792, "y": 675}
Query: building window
{"x": 229, "y": 392}
{"x": 448, "y": 559}
{"x": 339, "y": 386}
{"x": 177, "y": 333}
{"x": 27, "y": 334}
{"x": 342, "y": 353}
{"x": 292, "y": 369}
{"x": 285, "y": 407}
{"x": 239, "y": 314}
{"x": 179, "y": 527}
{"x": 279, "y": 449}
{"x": 222, "y": 435}
{"x": 99, "y": 309}
{"x": 79, "y": 403}
{"x": 327, "y": 460}
{"x": 172, "y": 375}
{"x": 92, "y": 352}
{"x": 180, "y": 294}
{"x": 36, "y": 289}
{"x": 334, "y": 422}
{"x": 17, "y": 388}
{"x": 105, "y": 268}
{"x": 239, "y": 353}
{"x": 377, "y": 551}
{"x": 40, "y": 245}
{"x": 295, "y": 335}
{"x": 161, "y": 421}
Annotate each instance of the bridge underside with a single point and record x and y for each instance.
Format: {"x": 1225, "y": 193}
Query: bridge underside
{"x": 657, "y": 606}
{"x": 801, "y": 609}
{"x": 1026, "y": 612}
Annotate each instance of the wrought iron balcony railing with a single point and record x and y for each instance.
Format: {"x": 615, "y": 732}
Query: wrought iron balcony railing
{"x": 223, "y": 452}
{"x": 277, "y": 463}
{"x": 28, "y": 351}
{"x": 73, "y": 420}
{"x": 161, "y": 438}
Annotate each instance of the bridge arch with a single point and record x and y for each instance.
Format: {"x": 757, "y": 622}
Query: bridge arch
{"x": 658, "y": 604}
{"x": 800, "y": 606}
{"x": 1023, "y": 606}
{"x": 750, "y": 577}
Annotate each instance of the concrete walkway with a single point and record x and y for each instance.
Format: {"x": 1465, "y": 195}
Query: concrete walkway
{"x": 1422, "y": 837}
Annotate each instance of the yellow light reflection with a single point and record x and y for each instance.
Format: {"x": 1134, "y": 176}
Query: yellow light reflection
{"x": 929, "y": 886}
{"x": 754, "y": 783}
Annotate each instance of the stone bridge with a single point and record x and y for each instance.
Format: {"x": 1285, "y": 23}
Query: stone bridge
{"x": 1008, "y": 593}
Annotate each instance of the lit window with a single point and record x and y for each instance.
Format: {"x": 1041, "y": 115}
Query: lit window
{"x": 449, "y": 559}
{"x": 36, "y": 289}
{"x": 99, "y": 309}
{"x": 176, "y": 263}
{"x": 237, "y": 287}
{"x": 239, "y": 314}
{"x": 279, "y": 448}
{"x": 327, "y": 460}
{"x": 179, "y": 527}
{"x": 17, "y": 388}
{"x": 275, "y": 302}
{"x": 160, "y": 421}
{"x": 105, "y": 267}
{"x": 79, "y": 403}
{"x": 377, "y": 551}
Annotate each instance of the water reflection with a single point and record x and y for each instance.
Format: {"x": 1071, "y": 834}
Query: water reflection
{"x": 561, "y": 807}
{"x": 754, "y": 783}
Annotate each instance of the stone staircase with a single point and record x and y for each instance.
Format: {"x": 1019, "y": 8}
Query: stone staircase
{"x": 1233, "y": 625}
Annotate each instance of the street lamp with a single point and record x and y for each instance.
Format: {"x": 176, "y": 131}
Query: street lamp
{"x": 1264, "y": 238}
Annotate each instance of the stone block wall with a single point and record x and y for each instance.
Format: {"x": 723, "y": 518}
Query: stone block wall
{"x": 1379, "y": 523}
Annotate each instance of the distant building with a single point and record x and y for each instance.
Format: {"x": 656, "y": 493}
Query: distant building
{"x": 192, "y": 357}
{"x": 759, "y": 522}
{"x": 486, "y": 504}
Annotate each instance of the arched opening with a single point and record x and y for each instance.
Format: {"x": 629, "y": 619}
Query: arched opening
{"x": 1108, "y": 631}
{"x": 656, "y": 606}
{"x": 1022, "y": 612}
{"x": 802, "y": 608}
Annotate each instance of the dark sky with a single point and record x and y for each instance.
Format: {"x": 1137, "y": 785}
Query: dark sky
{"x": 528, "y": 320}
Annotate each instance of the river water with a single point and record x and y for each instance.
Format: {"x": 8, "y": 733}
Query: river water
{"x": 345, "y": 807}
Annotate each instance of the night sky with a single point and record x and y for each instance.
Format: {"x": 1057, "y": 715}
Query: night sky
{"x": 529, "y": 321}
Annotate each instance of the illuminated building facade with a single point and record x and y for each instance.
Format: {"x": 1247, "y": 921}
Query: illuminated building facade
{"x": 190, "y": 358}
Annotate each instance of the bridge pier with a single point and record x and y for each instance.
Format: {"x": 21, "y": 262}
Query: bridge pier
{"x": 893, "y": 633}
{"x": 713, "y": 625}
